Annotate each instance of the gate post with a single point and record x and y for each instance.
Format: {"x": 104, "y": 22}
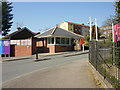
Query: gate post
{"x": 96, "y": 52}
{"x": 89, "y": 51}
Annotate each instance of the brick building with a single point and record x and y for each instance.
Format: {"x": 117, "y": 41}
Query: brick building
{"x": 80, "y": 29}
{"x": 22, "y": 42}
{"x": 106, "y": 31}
{"x": 56, "y": 40}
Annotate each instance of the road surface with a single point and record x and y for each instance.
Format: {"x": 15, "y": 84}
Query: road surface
{"x": 52, "y": 72}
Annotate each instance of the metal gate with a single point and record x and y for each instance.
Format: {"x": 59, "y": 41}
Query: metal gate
{"x": 105, "y": 57}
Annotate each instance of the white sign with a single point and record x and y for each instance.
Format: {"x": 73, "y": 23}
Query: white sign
{"x": 6, "y": 43}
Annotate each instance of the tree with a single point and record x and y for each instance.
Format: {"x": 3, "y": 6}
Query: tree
{"x": 117, "y": 11}
{"x": 19, "y": 24}
{"x": 6, "y": 17}
{"x": 108, "y": 21}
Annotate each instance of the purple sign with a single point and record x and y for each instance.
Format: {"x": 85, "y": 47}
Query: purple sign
{"x": 1, "y": 46}
{"x": 6, "y": 46}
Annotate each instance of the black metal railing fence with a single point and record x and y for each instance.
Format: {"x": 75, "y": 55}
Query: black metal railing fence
{"x": 105, "y": 57}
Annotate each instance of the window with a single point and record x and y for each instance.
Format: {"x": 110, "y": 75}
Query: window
{"x": 57, "y": 40}
{"x": 76, "y": 29}
{"x": 67, "y": 40}
{"x": 16, "y": 42}
{"x": 62, "y": 40}
{"x": 23, "y": 42}
{"x": 51, "y": 40}
{"x": 28, "y": 42}
{"x": 48, "y": 40}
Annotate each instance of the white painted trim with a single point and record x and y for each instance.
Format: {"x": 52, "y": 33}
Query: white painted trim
{"x": 45, "y": 36}
{"x": 54, "y": 40}
{"x": 54, "y": 30}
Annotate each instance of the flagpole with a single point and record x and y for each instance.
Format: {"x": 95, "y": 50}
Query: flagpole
{"x": 90, "y": 28}
{"x": 113, "y": 33}
{"x": 96, "y": 29}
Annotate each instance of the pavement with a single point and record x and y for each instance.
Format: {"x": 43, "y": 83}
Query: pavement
{"x": 41, "y": 55}
{"x": 75, "y": 74}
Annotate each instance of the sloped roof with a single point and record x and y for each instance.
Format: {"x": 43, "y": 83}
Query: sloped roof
{"x": 58, "y": 32}
{"x": 11, "y": 35}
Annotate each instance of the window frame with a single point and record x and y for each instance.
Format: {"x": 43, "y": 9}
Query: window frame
{"x": 60, "y": 41}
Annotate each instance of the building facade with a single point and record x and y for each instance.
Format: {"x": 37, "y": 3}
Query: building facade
{"x": 56, "y": 40}
{"x": 106, "y": 31}
{"x": 75, "y": 27}
{"x": 22, "y": 42}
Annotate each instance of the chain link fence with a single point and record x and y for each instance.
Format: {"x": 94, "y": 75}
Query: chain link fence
{"x": 105, "y": 57}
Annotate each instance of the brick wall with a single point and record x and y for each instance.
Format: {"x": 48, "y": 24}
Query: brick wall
{"x": 62, "y": 48}
{"x": 51, "y": 48}
{"x": 23, "y": 50}
{"x": 59, "y": 48}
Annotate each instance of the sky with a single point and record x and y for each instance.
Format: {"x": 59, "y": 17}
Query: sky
{"x": 38, "y": 16}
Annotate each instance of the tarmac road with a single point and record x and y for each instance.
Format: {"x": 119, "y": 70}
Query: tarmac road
{"x": 52, "y": 72}
{"x": 13, "y": 69}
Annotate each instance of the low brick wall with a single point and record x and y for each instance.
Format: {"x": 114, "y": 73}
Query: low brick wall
{"x": 62, "y": 48}
{"x": 21, "y": 50}
{"x": 59, "y": 48}
{"x": 51, "y": 48}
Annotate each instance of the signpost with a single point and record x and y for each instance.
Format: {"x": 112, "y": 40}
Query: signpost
{"x": 117, "y": 32}
{"x": 82, "y": 43}
{"x": 1, "y": 46}
{"x": 4, "y": 46}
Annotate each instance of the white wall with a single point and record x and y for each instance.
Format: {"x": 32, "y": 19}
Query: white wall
{"x": 64, "y": 25}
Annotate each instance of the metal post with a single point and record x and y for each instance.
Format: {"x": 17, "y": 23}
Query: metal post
{"x": 96, "y": 29}
{"x": 90, "y": 28}
{"x": 36, "y": 53}
{"x": 96, "y": 53}
{"x": 83, "y": 47}
{"x": 113, "y": 32}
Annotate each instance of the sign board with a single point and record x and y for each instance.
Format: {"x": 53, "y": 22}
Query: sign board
{"x": 81, "y": 41}
{"x": 1, "y": 46}
{"x": 117, "y": 32}
{"x": 4, "y": 46}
